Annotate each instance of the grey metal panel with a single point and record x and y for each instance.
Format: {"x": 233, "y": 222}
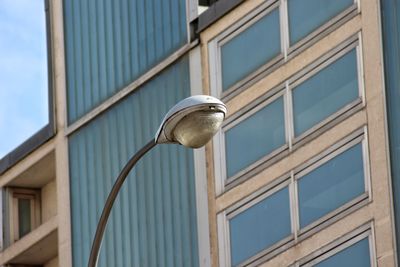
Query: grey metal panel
{"x": 109, "y": 44}
{"x": 391, "y": 45}
{"x": 217, "y": 9}
{"x": 153, "y": 222}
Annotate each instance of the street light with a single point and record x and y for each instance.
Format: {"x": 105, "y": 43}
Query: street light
{"x": 192, "y": 123}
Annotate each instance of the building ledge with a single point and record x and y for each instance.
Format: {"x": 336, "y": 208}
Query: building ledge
{"x": 36, "y": 248}
{"x": 34, "y": 171}
{"x": 30, "y": 145}
{"x": 216, "y": 11}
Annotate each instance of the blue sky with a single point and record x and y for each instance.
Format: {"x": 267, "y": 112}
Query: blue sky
{"x": 23, "y": 71}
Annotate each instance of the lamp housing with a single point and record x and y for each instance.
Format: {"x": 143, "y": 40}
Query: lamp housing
{"x": 192, "y": 122}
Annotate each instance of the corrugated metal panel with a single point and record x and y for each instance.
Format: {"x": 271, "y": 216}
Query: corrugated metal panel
{"x": 110, "y": 43}
{"x": 154, "y": 220}
{"x": 391, "y": 45}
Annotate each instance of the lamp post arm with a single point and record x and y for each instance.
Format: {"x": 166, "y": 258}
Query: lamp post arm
{"x": 101, "y": 226}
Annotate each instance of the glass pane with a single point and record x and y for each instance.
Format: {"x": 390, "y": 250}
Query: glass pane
{"x": 331, "y": 185}
{"x": 326, "y": 92}
{"x": 24, "y": 216}
{"x": 251, "y": 49}
{"x": 255, "y": 137}
{"x": 260, "y": 226}
{"x": 23, "y": 71}
{"x": 357, "y": 255}
{"x": 305, "y": 16}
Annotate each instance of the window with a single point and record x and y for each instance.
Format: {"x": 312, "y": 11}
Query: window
{"x": 257, "y": 44}
{"x": 353, "y": 250}
{"x": 325, "y": 93}
{"x": 300, "y": 203}
{"x": 24, "y": 212}
{"x": 277, "y": 123}
{"x": 307, "y": 16}
{"x": 255, "y": 136}
{"x": 331, "y": 185}
{"x": 260, "y": 226}
{"x": 250, "y": 49}
{"x": 357, "y": 255}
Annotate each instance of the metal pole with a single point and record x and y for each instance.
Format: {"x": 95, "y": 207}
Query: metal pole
{"x": 101, "y": 226}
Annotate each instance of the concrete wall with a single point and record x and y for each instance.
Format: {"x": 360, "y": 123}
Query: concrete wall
{"x": 49, "y": 201}
{"x": 379, "y": 208}
{"x": 52, "y": 263}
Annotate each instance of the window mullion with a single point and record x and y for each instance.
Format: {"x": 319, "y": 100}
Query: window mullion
{"x": 284, "y": 19}
{"x": 295, "y": 206}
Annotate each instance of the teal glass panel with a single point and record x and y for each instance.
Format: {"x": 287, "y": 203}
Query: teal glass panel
{"x": 357, "y": 255}
{"x": 305, "y": 16}
{"x": 250, "y": 49}
{"x": 153, "y": 221}
{"x": 109, "y": 44}
{"x": 331, "y": 185}
{"x": 325, "y": 93}
{"x": 391, "y": 49}
{"x": 24, "y": 216}
{"x": 260, "y": 226}
{"x": 255, "y": 137}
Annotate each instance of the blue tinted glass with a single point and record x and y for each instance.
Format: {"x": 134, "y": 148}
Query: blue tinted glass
{"x": 331, "y": 185}
{"x": 326, "y": 92}
{"x": 357, "y": 255}
{"x": 24, "y": 216}
{"x": 305, "y": 16}
{"x": 260, "y": 226}
{"x": 251, "y": 49}
{"x": 254, "y": 137}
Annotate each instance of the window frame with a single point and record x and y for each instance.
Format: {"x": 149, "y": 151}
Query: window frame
{"x": 322, "y": 30}
{"x": 320, "y": 64}
{"x": 360, "y": 136}
{"x": 14, "y": 194}
{"x": 285, "y": 89}
{"x": 287, "y": 51}
{"x": 231, "y": 122}
{"x": 224, "y": 227}
{"x": 237, "y": 28}
{"x": 48, "y": 130}
{"x": 340, "y": 244}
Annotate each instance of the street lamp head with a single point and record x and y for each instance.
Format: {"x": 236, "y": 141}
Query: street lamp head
{"x": 192, "y": 122}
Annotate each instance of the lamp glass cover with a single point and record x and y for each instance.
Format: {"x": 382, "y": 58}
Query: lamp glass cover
{"x": 197, "y": 128}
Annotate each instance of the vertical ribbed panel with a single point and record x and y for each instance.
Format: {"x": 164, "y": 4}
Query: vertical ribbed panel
{"x": 153, "y": 222}
{"x": 110, "y": 43}
{"x": 391, "y": 43}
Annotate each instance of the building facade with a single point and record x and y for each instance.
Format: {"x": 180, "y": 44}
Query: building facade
{"x": 304, "y": 172}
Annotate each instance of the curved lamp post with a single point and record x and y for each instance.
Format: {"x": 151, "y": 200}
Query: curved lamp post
{"x": 192, "y": 123}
